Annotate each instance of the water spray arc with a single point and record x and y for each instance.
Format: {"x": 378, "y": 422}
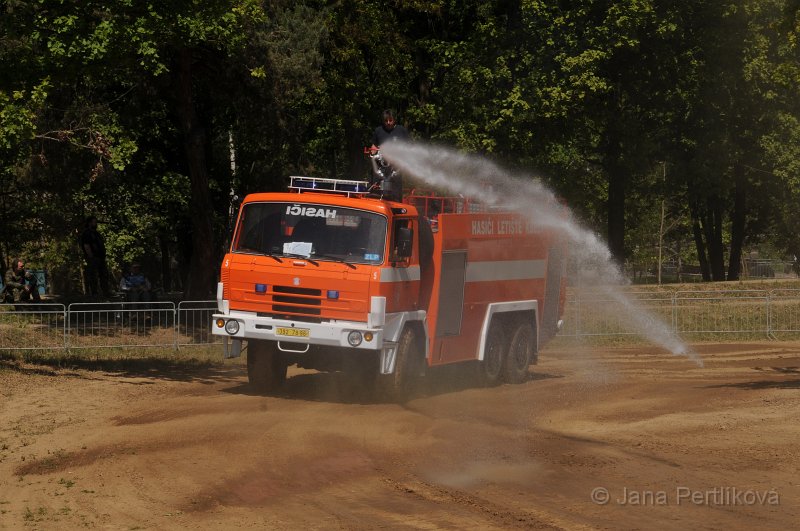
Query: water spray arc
{"x": 474, "y": 176}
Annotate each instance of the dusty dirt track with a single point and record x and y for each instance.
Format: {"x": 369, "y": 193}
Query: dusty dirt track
{"x": 675, "y": 446}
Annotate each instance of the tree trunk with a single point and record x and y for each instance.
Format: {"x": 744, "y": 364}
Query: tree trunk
{"x": 697, "y": 232}
{"x": 709, "y": 234}
{"x": 617, "y": 181}
{"x": 716, "y": 250}
{"x": 166, "y": 260}
{"x": 737, "y": 227}
{"x": 357, "y": 165}
{"x": 200, "y": 280}
{"x": 616, "y": 215}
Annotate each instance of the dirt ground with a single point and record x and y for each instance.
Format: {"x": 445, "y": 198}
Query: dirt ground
{"x": 622, "y": 438}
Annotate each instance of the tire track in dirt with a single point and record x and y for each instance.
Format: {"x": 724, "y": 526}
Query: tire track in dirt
{"x": 499, "y": 515}
{"x": 190, "y": 452}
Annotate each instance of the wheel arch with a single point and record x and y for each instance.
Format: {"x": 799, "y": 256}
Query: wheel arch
{"x": 420, "y": 336}
{"x": 395, "y": 324}
{"x": 526, "y": 310}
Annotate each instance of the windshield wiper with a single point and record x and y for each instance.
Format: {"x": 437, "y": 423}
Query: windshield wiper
{"x": 261, "y": 252}
{"x": 301, "y": 257}
{"x": 335, "y": 259}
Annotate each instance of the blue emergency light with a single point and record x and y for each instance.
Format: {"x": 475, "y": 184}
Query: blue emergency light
{"x": 333, "y": 294}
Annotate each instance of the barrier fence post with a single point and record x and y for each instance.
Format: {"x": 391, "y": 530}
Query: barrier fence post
{"x": 176, "y": 326}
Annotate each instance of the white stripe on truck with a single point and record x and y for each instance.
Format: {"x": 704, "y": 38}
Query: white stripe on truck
{"x": 505, "y": 270}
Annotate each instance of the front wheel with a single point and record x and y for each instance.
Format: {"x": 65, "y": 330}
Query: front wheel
{"x": 408, "y": 367}
{"x": 266, "y": 369}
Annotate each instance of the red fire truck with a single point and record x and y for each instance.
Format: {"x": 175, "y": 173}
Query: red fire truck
{"x": 330, "y": 277}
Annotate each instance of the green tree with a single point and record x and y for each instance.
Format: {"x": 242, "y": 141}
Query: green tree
{"x": 727, "y": 108}
{"x": 109, "y": 69}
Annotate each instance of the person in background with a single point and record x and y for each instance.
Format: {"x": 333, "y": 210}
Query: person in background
{"x": 20, "y": 286}
{"x": 135, "y": 285}
{"x": 94, "y": 251}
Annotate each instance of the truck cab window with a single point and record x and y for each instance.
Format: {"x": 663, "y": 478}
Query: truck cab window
{"x": 332, "y": 232}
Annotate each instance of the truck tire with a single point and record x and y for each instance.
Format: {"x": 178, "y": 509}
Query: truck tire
{"x": 520, "y": 353}
{"x": 494, "y": 354}
{"x": 266, "y": 370}
{"x": 401, "y": 384}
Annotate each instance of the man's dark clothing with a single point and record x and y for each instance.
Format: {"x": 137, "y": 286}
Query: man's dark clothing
{"x": 96, "y": 268}
{"x": 382, "y": 135}
{"x": 95, "y": 242}
{"x": 390, "y": 182}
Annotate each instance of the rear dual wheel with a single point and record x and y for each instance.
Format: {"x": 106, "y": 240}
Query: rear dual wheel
{"x": 521, "y": 349}
{"x": 510, "y": 348}
{"x": 494, "y": 354}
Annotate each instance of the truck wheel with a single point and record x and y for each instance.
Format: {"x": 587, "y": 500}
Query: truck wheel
{"x": 266, "y": 371}
{"x": 520, "y": 353}
{"x": 494, "y": 354}
{"x": 400, "y": 385}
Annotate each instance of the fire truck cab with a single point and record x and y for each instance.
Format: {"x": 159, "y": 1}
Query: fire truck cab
{"x": 329, "y": 277}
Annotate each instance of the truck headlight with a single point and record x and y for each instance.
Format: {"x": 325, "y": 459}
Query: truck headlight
{"x": 232, "y": 327}
{"x": 354, "y": 338}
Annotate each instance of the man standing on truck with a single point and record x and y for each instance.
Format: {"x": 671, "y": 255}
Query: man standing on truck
{"x": 388, "y": 130}
{"x": 383, "y": 175}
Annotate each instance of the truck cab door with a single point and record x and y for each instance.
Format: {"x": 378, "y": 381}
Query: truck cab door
{"x": 404, "y": 261}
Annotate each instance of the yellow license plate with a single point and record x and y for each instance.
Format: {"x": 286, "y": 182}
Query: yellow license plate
{"x": 292, "y": 332}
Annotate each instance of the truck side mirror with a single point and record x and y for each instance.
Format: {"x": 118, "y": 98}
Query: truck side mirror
{"x": 405, "y": 239}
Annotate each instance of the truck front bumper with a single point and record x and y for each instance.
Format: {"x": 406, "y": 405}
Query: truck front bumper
{"x": 248, "y": 325}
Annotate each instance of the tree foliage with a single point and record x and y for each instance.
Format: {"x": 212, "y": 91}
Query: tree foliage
{"x": 152, "y": 116}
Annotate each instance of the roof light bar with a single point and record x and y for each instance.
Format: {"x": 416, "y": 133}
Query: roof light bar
{"x": 319, "y": 184}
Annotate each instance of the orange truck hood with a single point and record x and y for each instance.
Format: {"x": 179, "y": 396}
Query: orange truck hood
{"x": 296, "y": 288}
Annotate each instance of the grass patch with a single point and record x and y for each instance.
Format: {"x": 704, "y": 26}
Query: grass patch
{"x": 186, "y": 364}
{"x": 719, "y": 312}
{"x": 117, "y": 358}
{"x": 37, "y": 515}
{"x": 761, "y": 284}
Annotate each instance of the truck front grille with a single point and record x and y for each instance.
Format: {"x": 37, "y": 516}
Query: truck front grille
{"x": 294, "y": 300}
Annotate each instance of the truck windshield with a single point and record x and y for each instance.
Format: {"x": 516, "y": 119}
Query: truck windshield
{"x": 322, "y": 232}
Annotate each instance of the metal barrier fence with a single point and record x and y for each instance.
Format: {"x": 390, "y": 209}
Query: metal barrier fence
{"x": 693, "y": 315}
{"x": 106, "y": 325}
{"x": 39, "y": 326}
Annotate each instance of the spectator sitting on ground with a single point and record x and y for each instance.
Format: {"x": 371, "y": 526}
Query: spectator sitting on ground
{"x": 135, "y": 285}
{"x": 20, "y": 285}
